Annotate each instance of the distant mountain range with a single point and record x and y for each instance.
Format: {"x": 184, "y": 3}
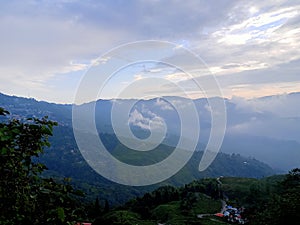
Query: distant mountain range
{"x": 265, "y": 128}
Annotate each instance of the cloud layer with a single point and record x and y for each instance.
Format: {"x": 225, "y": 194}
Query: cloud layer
{"x": 253, "y": 48}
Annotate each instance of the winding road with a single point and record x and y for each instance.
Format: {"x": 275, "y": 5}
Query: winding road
{"x": 223, "y": 202}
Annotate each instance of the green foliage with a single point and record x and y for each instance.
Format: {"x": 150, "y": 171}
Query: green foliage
{"x": 212, "y": 221}
{"x": 205, "y": 204}
{"x": 168, "y": 204}
{"x": 26, "y": 198}
{"x": 3, "y": 112}
{"x": 284, "y": 205}
{"x": 167, "y": 212}
{"x": 121, "y": 217}
{"x": 273, "y": 200}
{"x": 106, "y": 206}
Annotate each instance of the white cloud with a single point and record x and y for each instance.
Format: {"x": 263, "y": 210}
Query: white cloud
{"x": 233, "y": 67}
{"x": 177, "y": 76}
{"x": 283, "y": 105}
{"x": 136, "y": 118}
{"x": 163, "y": 104}
{"x": 259, "y": 28}
{"x": 138, "y": 77}
{"x": 207, "y": 107}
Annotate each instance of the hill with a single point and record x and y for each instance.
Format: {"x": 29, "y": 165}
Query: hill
{"x": 64, "y": 159}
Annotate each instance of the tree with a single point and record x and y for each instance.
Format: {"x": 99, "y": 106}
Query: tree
{"x": 106, "y": 207}
{"x": 290, "y": 198}
{"x": 284, "y": 206}
{"x": 26, "y": 198}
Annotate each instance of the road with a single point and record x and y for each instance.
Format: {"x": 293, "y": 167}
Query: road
{"x": 223, "y": 202}
{"x": 223, "y": 209}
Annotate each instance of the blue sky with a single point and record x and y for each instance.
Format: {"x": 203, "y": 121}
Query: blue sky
{"x": 251, "y": 47}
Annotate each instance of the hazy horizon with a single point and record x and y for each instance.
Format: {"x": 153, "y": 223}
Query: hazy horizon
{"x": 232, "y": 98}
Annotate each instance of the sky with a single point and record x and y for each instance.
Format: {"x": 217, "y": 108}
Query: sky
{"x": 47, "y": 47}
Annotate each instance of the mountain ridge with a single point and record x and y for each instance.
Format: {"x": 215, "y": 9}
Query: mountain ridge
{"x": 246, "y": 122}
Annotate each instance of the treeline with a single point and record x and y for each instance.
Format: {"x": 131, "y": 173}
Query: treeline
{"x": 168, "y": 204}
{"x": 186, "y": 196}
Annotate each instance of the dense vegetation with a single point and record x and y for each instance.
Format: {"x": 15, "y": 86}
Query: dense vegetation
{"x": 26, "y": 198}
{"x": 272, "y": 200}
{"x": 168, "y": 204}
{"x": 64, "y": 154}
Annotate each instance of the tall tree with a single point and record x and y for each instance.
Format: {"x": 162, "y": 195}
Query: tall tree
{"x": 284, "y": 206}
{"x": 26, "y": 198}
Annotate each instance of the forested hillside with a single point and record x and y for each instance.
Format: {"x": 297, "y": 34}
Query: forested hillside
{"x": 64, "y": 159}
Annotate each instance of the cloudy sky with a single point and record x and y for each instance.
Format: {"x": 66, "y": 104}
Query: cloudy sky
{"x": 47, "y": 46}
